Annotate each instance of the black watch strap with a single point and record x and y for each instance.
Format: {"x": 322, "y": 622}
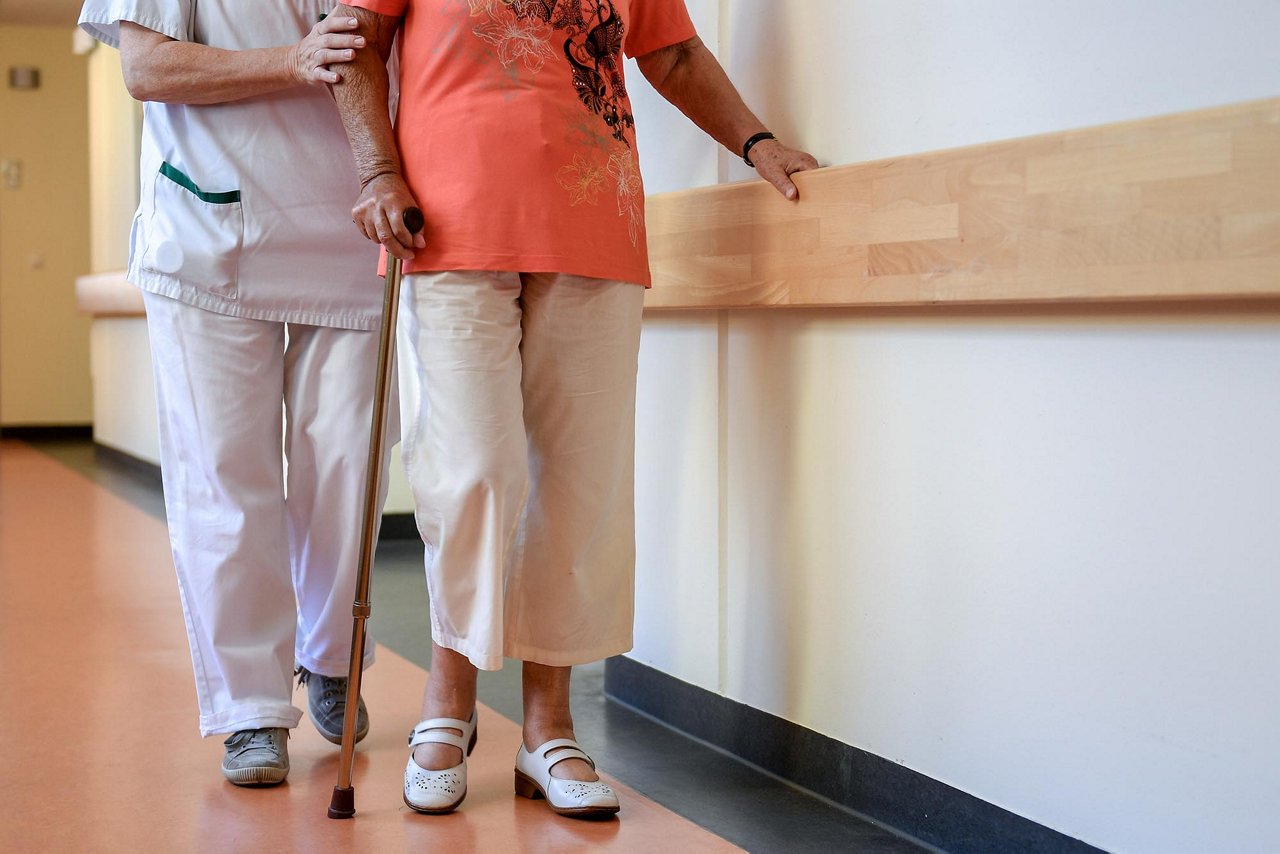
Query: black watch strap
{"x": 751, "y": 143}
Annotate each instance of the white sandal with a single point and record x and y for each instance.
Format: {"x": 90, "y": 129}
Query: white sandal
{"x": 439, "y": 791}
{"x": 566, "y": 797}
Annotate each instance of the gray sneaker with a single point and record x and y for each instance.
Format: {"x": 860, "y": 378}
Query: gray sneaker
{"x": 257, "y": 757}
{"x": 327, "y": 703}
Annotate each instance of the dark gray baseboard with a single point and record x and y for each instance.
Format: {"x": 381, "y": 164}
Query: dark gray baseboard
{"x": 398, "y": 526}
{"x": 45, "y": 432}
{"x": 885, "y": 791}
{"x": 127, "y": 462}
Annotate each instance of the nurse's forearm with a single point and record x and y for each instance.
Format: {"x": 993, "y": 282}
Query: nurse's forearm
{"x": 362, "y": 97}
{"x": 187, "y": 73}
{"x": 158, "y": 68}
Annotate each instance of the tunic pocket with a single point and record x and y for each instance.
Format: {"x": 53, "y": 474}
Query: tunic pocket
{"x": 195, "y": 236}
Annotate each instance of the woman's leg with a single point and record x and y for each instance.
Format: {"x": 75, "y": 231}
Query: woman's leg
{"x": 570, "y": 591}
{"x": 466, "y": 457}
{"x": 450, "y": 693}
{"x": 464, "y": 447}
{"x": 569, "y": 596}
{"x": 547, "y": 716}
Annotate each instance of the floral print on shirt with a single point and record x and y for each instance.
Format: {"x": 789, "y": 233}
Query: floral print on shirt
{"x": 589, "y": 34}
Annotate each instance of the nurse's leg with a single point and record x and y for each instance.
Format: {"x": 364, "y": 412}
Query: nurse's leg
{"x": 329, "y": 385}
{"x": 218, "y": 391}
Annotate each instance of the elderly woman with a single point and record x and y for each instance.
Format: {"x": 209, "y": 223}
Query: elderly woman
{"x": 260, "y": 300}
{"x": 522, "y": 310}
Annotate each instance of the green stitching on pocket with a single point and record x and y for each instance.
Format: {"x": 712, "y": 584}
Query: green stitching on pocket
{"x": 177, "y": 177}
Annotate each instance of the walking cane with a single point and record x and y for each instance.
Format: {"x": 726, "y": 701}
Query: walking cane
{"x": 343, "y": 804}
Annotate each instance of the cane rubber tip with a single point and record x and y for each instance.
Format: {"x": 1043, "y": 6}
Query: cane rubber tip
{"x": 343, "y": 803}
{"x": 414, "y": 220}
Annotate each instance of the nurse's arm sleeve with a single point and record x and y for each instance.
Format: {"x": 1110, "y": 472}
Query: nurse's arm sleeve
{"x": 361, "y": 96}
{"x": 160, "y": 68}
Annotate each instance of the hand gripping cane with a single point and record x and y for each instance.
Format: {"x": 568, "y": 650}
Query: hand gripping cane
{"x": 343, "y": 804}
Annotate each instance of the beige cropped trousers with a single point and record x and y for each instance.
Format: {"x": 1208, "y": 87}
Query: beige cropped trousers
{"x": 518, "y": 407}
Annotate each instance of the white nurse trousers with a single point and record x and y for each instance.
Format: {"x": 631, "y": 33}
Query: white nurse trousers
{"x": 518, "y": 393}
{"x": 266, "y": 562}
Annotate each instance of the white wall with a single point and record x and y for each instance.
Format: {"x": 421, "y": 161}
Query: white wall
{"x": 124, "y": 398}
{"x": 115, "y": 126}
{"x": 1032, "y": 554}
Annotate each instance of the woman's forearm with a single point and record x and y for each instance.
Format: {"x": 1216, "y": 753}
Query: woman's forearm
{"x": 690, "y": 77}
{"x": 362, "y": 98}
{"x": 385, "y": 199}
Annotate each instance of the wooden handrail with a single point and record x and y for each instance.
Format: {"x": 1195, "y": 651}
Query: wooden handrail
{"x": 1171, "y": 208}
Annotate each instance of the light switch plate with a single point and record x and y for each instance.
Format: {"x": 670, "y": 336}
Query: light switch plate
{"x": 12, "y": 170}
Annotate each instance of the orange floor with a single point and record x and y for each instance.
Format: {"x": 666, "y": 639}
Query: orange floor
{"x": 98, "y": 720}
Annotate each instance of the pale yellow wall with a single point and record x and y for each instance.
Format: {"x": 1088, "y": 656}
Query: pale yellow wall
{"x": 44, "y": 233}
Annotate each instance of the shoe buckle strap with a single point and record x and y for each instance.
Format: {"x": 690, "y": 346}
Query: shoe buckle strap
{"x": 559, "y": 749}
{"x": 561, "y": 755}
{"x": 436, "y": 731}
{"x": 437, "y": 736}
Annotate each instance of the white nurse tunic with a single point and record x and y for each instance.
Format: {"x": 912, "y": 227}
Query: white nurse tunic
{"x": 238, "y": 200}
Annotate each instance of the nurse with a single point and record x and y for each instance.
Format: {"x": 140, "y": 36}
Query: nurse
{"x": 262, "y": 305}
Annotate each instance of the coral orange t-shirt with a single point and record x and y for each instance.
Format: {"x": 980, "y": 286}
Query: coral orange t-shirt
{"x": 516, "y": 133}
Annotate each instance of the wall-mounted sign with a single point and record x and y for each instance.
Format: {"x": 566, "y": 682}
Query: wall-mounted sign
{"x": 21, "y": 77}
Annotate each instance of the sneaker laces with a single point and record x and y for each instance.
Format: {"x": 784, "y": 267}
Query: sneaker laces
{"x": 332, "y": 688}
{"x": 251, "y": 739}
